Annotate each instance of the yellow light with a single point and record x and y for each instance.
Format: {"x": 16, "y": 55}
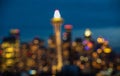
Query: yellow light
{"x": 100, "y": 40}
{"x": 57, "y": 17}
{"x": 57, "y": 20}
{"x": 5, "y": 44}
{"x": 88, "y": 33}
{"x": 99, "y": 60}
{"x": 9, "y": 55}
{"x": 30, "y": 62}
{"x": 107, "y": 50}
{"x": 86, "y": 59}
{"x": 74, "y": 43}
{"x": 9, "y": 62}
{"x": 65, "y": 53}
{"x": 81, "y": 57}
{"x": 10, "y": 49}
{"x": 99, "y": 51}
{"x": 94, "y": 54}
{"x": 54, "y": 68}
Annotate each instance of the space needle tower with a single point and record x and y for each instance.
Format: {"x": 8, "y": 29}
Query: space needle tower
{"x": 57, "y": 22}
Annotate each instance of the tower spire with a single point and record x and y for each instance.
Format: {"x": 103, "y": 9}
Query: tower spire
{"x": 57, "y": 14}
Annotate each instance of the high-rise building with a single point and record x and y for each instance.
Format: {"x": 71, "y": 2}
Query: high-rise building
{"x": 57, "y": 22}
{"x": 67, "y": 41}
{"x": 16, "y": 33}
{"x": 8, "y": 52}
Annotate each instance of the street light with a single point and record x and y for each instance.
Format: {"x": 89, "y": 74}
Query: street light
{"x": 57, "y": 22}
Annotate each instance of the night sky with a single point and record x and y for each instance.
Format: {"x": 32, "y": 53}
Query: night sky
{"x": 32, "y": 17}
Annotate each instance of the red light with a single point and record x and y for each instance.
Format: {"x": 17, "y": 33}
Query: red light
{"x": 89, "y": 44}
{"x": 14, "y": 31}
{"x": 0, "y": 51}
{"x": 68, "y": 26}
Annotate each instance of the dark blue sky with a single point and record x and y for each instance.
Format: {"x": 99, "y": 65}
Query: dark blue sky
{"x": 32, "y": 17}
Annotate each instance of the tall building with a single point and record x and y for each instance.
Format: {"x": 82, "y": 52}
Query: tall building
{"x": 57, "y": 22}
{"x": 67, "y": 41}
{"x": 16, "y": 33}
{"x": 8, "y": 52}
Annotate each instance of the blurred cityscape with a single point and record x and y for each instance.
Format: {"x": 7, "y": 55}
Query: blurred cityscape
{"x": 87, "y": 57}
{"x": 61, "y": 57}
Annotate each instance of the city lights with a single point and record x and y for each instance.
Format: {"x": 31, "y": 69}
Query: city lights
{"x": 9, "y": 62}
{"x": 32, "y": 72}
{"x": 10, "y": 49}
{"x": 100, "y": 40}
{"x": 68, "y": 26}
{"x": 107, "y": 50}
{"x": 74, "y": 43}
{"x": 88, "y": 33}
{"x": 57, "y": 14}
{"x": 99, "y": 51}
{"x": 99, "y": 60}
{"x": 83, "y": 55}
{"x": 57, "y": 19}
{"x": 9, "y": 55}
{"x": 90, "y": 45}
{"x": 5, "y": 45}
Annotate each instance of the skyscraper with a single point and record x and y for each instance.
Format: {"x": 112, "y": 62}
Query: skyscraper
{"x": 67, "y": 39}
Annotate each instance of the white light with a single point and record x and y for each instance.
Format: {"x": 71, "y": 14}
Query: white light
{"x": 88, "y": 32}
{"x": 81, "y": 57}
{"x": 86, "y": 59}
{"x": 99, "y": 60}
{"x": 33, "y": 72}
{"x": 57, "y": 14}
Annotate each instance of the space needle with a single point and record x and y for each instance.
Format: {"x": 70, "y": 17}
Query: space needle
{"x": 57, "y": 22}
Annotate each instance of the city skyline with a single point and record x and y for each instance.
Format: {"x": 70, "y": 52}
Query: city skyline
{"x": 33, "y": 18}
